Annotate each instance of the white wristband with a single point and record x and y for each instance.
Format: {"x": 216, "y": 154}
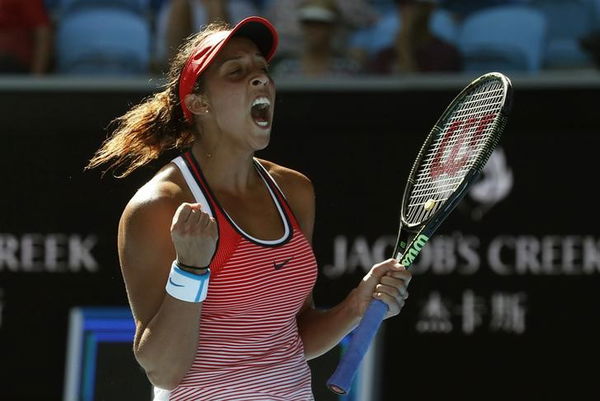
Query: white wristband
{"x": 187, "y": 286}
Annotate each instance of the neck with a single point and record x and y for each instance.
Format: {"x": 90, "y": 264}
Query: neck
{"x": 226, "y": 171}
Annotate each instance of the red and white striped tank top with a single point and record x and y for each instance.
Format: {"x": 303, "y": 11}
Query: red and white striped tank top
{"x": 249, "y": 346}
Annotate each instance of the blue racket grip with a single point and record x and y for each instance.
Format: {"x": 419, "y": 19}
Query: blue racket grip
{"x": 341, "y": 380}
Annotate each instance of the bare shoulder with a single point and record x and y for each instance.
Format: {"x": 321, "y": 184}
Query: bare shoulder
{"x": 292, "y": 182}
{"x": 163, "y": 193}
{"x": 144, "y": 227}
{"x": 299, "y": 192}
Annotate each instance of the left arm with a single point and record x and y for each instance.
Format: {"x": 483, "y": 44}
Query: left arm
{"x": 321, "y": 330}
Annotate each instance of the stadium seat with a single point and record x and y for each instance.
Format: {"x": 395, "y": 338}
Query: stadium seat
{"x": 568, "y": 21}
{"x": 137, "y": 6}
{"x": 503, "y": 38}
{"x": 443, "y": 25}
{"x": 382, "y": 35}
{"x": 103, "y": 41}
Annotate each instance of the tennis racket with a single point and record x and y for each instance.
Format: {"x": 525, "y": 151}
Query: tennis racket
{"x": 449, "y": 161}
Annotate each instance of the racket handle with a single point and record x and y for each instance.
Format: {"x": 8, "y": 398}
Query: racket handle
{"x": 341, "y": 380}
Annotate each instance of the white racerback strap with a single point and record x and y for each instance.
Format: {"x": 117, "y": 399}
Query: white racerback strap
{"x": 194, "y": 187}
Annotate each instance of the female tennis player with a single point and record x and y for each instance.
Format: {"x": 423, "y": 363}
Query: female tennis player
{"x": 215, "y": 248}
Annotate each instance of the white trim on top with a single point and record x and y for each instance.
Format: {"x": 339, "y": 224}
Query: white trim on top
{"x": 201, "y": 198}
{"x": 284, "y": 220}
{"x": 194, "y": 187}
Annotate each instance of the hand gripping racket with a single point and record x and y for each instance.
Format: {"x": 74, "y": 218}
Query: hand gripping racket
{"x": 449, "y": 161}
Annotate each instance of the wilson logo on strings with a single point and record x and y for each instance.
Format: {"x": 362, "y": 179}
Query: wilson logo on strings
{"x": 457, "y": 134}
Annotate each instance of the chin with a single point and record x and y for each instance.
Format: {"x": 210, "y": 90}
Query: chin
{"x": 260, "y": 145}
{"x": 261, "y": 134}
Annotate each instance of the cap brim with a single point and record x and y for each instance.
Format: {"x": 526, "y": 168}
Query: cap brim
{"x": 260, "y": 31}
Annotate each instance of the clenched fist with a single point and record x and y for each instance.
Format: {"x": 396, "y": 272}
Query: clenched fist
{"x": 386, "y": 281}
{"x": 194, "y": 234}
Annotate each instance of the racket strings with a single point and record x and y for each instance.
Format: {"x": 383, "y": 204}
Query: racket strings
{"x": 474, "y": 108}
{"x": 461, "y": 142}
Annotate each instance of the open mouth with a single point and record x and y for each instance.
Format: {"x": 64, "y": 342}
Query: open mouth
{"x": 260, "y": 111}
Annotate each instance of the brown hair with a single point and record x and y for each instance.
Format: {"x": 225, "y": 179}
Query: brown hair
{"x": 156, "y": 124}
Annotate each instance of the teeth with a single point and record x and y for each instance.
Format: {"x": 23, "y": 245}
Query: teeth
{"x": 259, "y": 111}
{"x": 262, "y": 101}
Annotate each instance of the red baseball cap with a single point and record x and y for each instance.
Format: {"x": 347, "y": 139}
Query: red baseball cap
{"x": 257, "y": 29}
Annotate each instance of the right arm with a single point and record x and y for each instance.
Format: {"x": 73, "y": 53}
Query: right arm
{"x": 166, "y": 328}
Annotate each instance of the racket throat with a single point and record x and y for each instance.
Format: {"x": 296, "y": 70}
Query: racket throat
{"x": 409, "y": 245}
{"x": 401, "y": 243}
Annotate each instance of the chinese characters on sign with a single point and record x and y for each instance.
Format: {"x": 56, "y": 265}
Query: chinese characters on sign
{"x": 501, "y": 312}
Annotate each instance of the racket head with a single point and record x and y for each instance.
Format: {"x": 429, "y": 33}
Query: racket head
{"x": 455, "y": 151}
{"x": 449, "y": 160}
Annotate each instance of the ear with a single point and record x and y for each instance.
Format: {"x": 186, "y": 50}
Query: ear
{"x": 196, "y": 104}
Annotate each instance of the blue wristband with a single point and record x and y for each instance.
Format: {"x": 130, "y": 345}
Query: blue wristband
{"x": 187, "y": 286}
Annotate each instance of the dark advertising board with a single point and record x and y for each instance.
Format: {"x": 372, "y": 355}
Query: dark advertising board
{"x": 503, "y": 304}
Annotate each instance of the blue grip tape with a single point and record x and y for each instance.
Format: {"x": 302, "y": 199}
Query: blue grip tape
{"x": 341, "y": 380}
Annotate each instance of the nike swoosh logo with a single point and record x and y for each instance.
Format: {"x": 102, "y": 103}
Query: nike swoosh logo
{"x": 174, "y": 283}
{"x": 279, "y": 266}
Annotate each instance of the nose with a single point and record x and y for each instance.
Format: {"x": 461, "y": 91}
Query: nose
{"x": 261, "y": 80}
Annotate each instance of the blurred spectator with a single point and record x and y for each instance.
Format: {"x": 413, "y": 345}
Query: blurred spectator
{"x": 319, "y": 20}
{"x": 416, "y": 48}
{"x": 25, "y": 37}
{"x": 354, "y": 14}
{"x": 177, "y": 19}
